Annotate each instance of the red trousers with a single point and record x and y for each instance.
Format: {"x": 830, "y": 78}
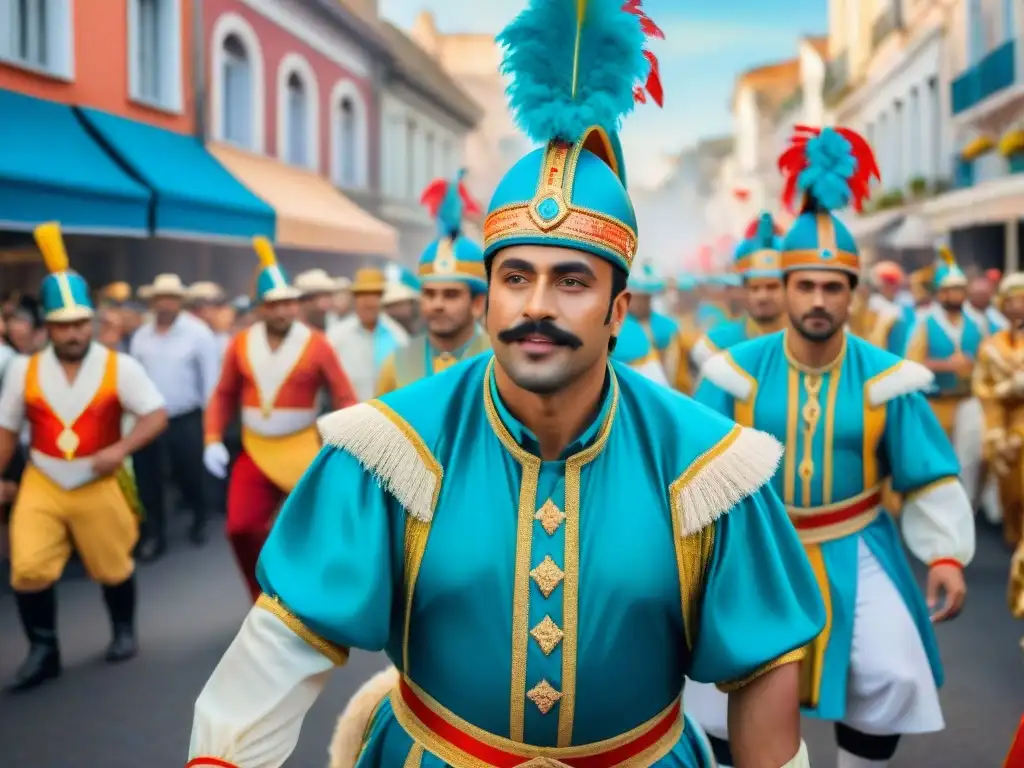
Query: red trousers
{"x": 253, "y": 501}
{"x": 1016, "y": 757}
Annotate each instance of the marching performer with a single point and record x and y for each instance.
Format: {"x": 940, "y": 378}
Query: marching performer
{"x": 511, "y": 629}
{"x": 680, "y": 370}
{"x": 273, "y": 371}
{"x": 713, "y": 307}
{"x": 661, "y": 330}
{"x": 946, "y": 340}
{"x": 452, "y": 294}
{"x": 850, "y": 414}
{"x": 757, "y": 265}
{"x": 998, "y": 382}
{"x": 76, "y": 492}
{"x": 890, "y": 322}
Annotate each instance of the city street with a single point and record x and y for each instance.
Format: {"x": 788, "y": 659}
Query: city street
{"x": 139, "y": 714}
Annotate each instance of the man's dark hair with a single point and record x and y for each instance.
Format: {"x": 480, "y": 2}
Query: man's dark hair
{"x": 854, "y": 279}
{"x": 619, "y": 281}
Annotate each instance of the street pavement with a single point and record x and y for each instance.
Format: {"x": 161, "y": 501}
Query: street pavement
{"x": 138, "y": 715}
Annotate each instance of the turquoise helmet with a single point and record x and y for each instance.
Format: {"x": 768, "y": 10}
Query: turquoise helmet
{"x": 272, "y": 282}
{"x": 947, "y": 272}
{"x": 830, "y": 168}
{"x": 452, "y": 257}
{"x": 757, "y": 255}
{"x": 64, "y": 294}
{"x": 574, "y": 69}
{"x": 646, "y": 280}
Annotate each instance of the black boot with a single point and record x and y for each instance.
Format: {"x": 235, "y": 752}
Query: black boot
{"x": 120, "y": 600}
{"x": 38, "y": 612}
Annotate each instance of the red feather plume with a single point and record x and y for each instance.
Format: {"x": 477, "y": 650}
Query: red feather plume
{"x": 433, "y": 195}
{"x": 794, "y": 160}
{"x": 753, "y": 226}
{"x": 471, "y": 206}
{"x": 652, "y": 85}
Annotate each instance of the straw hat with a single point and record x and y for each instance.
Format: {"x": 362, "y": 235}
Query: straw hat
{"x": 204, "y": 291}
{"x": 396, "y": 292}
{"x": 145, "y": 292}
{"x": 119, "y": 292}
{"x": 315, "y": 281}
{"x": 342, "y": 284}
{"x": 167, "y": 284}
{"x": 369, "y": 280}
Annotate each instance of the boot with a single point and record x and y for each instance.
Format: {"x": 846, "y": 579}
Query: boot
{"x": 38, "y": 613}
{"x": 120, "y": 600}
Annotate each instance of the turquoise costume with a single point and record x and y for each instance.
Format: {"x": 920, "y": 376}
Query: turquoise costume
{"x": 711, "y": 313}
{"x": 661, "y": 330}
{"x": 756, "y": 257}
{"x": 847, "y": 428}
{"x": 271, "y": 283}
{"x": 451, "y": 258}
{"x": 513, "y": 594}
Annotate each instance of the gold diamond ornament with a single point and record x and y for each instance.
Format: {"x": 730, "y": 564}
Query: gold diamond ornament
{"x": 544, "y": 696}
{"x": 547, "y": 634}
{"x": 550, "y": 517}
{"x": 547, "y": 576}
{"x": 68, "y": 442}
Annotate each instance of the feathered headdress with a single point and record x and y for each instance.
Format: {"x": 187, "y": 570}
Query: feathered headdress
{"x": 758, "y": 225}
{"x": 576, "y": 65}
{"x": 271, "y": 280}
{"x": 947, "y": 272}
{"x": 64, "y": 293}
{"x": 652, "y": 85}
{"x": 449, "y": 202}
{"x": 830, "y": 167}
{"x": 758, "y": 255}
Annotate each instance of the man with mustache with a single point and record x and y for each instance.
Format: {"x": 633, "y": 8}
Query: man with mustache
{"x": 544, "y": 542}
{"x": 851, "y": 415}
{"x": 452, "y": 295}
{"x": 76, "y": 492}
{"x": 757, "y": 264}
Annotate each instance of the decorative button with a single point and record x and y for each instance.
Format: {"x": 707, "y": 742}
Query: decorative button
{"x": 547, "y": 208}
{"x": 547, "y": 576}
{"x": 550, "y": 517}
{"x": 547, "y": 634}
{"x": 544, "y": 696}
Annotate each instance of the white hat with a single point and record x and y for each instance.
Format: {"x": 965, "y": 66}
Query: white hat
{"x": 145, "y": 292}
{"x": 342, "y": 284}
{"x": 396, "y": 292}
{"x": 204, "y": 291}
{"x": 167, "y": 284}
{"x": 314, "y": 281}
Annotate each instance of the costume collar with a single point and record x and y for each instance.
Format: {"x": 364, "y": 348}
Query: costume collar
{"x": 587, "y": 438}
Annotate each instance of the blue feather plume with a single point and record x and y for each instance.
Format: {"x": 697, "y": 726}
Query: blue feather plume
{"x": 573, "y": 65}
{"x": 830, "y": 166}
{"x": 765, "y": 230}
{"x": 449, "y": 214}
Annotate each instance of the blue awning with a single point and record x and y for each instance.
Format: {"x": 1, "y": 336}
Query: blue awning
{"x": 194, "y": 196}
{"x": 51, "y": 169}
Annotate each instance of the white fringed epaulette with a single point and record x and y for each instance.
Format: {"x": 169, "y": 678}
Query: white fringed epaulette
{"x": 733, "y": 469}
{"x": 902, "y": 379}
{"x": 390, "y": 450}
{"x": 721, "y": 371}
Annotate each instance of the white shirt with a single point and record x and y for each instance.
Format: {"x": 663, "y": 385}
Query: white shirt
{"x": 136, "y": 391}
{"x": 183, "y": 361}
{"x": 362, "y": 352}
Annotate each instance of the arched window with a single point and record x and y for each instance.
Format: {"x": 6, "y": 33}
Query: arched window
{"x": 297, "y": 116}
{"x": 236, "y": 96}
{"x": 348, "y": 140}
{"x": 236, "y": 92}
{"x": 350, "y": 144}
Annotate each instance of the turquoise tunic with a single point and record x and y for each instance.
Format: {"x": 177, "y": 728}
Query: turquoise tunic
{"x": 936, "y": 338}
{"x": 852, "y": 447}
{"x": 634, "y": 344}
{"x": 710, "y": 314}
{"x": 662, "y": 330}
{"x": 546, "y": 603}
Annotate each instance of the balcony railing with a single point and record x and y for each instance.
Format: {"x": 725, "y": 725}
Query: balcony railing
{"x": 889, "y": 21}
{"x": 837, "y": 77}
{"x": 988, "y": 77}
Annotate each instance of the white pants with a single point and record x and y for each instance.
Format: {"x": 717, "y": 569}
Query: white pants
{"x": 968, "y": 435}
{"x": 890, "y": 689}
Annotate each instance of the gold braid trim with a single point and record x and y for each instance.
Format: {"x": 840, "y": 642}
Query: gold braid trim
{"x": 786, "y": 658}
{"x": 926, "y": 489}
{"x": 391, "y": 450}
{"x": 332, "y": 651}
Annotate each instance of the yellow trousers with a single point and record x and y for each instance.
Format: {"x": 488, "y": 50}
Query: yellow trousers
{"x": 47, "y": 521}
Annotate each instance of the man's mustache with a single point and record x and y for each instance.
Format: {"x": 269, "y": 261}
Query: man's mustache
{"x": 817, "y": 314}
{"x": 544, "y": 328}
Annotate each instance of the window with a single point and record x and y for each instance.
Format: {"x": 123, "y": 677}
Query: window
{"x": 430, "y": 160}
{"x": 447, "y": 161}
{"x": 916, "y": 134}
{"x": 348, "y": 138}
{"x": 154, "y": 52}
{"x": 975, "y": 32}
{"x": 411, "y": 156}
{"x": 37, "y": 34}
{"x": 236, "y": 105}
{"x": 1009, "y": 22}
{"x": 297, "y": 115}
{"x": 934, "y": 118}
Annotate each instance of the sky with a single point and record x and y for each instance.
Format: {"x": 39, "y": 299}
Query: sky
{"x": 707, "y": 45}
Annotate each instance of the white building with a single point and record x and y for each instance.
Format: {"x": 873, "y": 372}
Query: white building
{"x": 425, "y": 119}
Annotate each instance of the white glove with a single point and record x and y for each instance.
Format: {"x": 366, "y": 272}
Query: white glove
{"x": 215, "y": 459}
